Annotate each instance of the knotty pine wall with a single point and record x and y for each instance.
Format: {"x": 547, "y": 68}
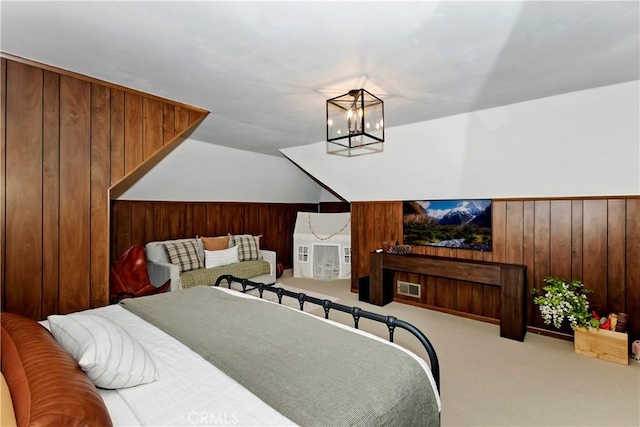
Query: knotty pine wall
{"x": 140, "y": 222}
{"x": 66, "y": 139}
{"x": 596, "y": 240}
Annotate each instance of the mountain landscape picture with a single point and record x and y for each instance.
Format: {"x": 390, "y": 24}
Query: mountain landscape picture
{"x": 464, "y": 224}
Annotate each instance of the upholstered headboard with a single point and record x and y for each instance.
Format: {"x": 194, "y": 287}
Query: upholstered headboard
{"x": 47, "y": 386}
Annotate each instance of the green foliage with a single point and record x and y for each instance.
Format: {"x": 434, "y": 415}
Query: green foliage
{"x": 564, "y": 300}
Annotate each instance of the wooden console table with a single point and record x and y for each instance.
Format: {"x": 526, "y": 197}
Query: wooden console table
{"x": 511, "y": 278}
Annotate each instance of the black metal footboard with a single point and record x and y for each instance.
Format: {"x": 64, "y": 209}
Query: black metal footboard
{"x": 357, "y": 313}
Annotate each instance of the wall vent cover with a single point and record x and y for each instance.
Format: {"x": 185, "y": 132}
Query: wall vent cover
{"x": 409, "y": 289}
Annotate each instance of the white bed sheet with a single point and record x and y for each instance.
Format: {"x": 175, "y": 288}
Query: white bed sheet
{"x": 191, "y": 391}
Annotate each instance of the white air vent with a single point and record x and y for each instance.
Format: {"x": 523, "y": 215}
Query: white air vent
{"x": 409, "y": 289}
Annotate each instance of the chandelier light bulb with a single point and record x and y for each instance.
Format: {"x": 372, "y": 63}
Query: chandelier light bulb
{"x": 377, "y": 126}
{"x": 339, "y": 132}
{"x": 330, "y": 122}
{"x": 368, "y": 126}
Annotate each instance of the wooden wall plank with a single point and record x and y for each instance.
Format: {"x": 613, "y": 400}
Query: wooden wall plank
{"x": 3, "y": 177}
{"x": 595, "y": 250}
{"x": 182, "y": 119}
{"x": 576, "y": 239}
{"x": 123, "y": 218}
{"x": 23, "y": 233}
{"x": 560, "y": 239}
{"x": 153, "y": 127}
{"x": 514, "y": 232}
{"x": 541, "y": 237}
{"x": 148, "y": 223}
{"x": 117, "y": 136}
{"x": 133, "y": 132}
{"x": 51, "y": 193}
{"x": 168, "y": 123}
{"x": 528, "y": 252}
{"x": 75, "y": 200}
{"x": 138, "y": 225}
{"x": 632, "y": 281}
{"x": 616, "y": 251}
{"x": 356, "y": 270}
{"x": 499, "y": 229}
{"x": 100, "y": 178}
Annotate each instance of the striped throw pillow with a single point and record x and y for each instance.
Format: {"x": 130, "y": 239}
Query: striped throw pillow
{"x": 109, "y": 356}
{"x": 248, "y": 247}
{"x": 184, "y": 254}
{"x": 220, "y": 257}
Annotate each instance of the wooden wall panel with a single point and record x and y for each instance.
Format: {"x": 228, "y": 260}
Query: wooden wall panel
{"x": 594, "y": 272}
{"x": 100, "y": 178}
{"x": 514, "y": 245}
{"x": 541, "y": 237}
{"x": 153, "y": 127}
{"x": 596, "y": 240}
{"x": 117, "y": 136}
{"x": 3, "y": 178}
{"x": 499, "y": 229}
{"x": 632, "y": 268}
{"x": 168, "y": 123}
{"x": 139, "y": 222}
{"x": 182, "y": 119}
{"x": 63, "y": 146}
{"x": 51, "y": 193}
{"x": 133, "y": 132}
{"x": 23, "y": 233}
{"x": 75, "y": 197}
{"x": 616, "y": 251}
{"x": 560, "y": 238}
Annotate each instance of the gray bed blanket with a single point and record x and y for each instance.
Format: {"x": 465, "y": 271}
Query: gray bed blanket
{"x": 312, "y": 372}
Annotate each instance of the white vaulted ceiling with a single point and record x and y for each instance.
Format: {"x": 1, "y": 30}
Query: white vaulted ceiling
{"x": 265, "y": 69}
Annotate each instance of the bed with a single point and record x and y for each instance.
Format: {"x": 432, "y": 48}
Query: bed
{"x": 225, "y": 358}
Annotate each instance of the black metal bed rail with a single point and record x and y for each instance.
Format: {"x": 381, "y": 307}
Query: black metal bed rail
{"x": 356, "y": 312}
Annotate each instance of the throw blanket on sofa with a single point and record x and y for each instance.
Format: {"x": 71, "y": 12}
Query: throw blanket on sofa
{"x": 312, "y": 372}
{"x": 208, "y": 276}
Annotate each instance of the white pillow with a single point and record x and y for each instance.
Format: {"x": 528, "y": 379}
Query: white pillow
{"x": 109, "y": 356}
{"x": 221, "y": 257}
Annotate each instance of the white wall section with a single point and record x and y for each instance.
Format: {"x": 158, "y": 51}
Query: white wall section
{"x": 584, "y": 143}
{"x": 199, "y": 171}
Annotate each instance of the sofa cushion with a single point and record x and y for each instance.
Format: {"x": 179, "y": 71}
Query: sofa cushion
{"x": 184, "y": 254}
{"x": 220, "y": 257}
{"x": 157, "y": 253}
{"x": 208, "y": 276}
{"x": 215, "y": 243}
{"x": 248, "y": 247}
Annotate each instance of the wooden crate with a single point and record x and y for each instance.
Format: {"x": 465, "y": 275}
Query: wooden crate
{"x": 605, "y": 345}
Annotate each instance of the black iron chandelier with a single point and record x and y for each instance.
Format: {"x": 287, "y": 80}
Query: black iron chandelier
{"x": 355, "y": 122}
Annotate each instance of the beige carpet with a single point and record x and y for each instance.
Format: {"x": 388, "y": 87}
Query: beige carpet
{"x": 492, "y": 381}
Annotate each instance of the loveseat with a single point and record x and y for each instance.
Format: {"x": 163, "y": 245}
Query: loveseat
{"x": 160, "y": 267}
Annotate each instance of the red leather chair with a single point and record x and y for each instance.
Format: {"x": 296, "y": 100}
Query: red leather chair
{"x": 129, "y": 277}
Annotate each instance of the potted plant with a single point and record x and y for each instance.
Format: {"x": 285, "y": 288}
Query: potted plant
{"x": 563, "y": 300}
